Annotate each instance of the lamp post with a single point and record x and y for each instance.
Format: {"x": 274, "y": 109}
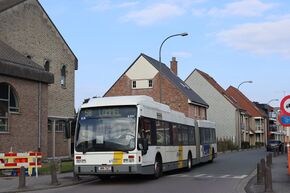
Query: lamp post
{"x": 268, "y": 118}
{"x": 272, "y": 101}
{"x": 247, "y": 81}
{"x": 160, "y": 64}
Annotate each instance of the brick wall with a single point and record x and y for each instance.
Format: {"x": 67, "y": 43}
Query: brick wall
{"x": 27, "y": 29}
{"x": 23, "y": 126}
{"x": 170, "y": 94}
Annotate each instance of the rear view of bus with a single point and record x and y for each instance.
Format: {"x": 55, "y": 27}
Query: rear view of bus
{"x": 105, "y": 142}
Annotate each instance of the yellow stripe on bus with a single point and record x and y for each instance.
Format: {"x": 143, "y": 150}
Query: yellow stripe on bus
{"x": 118, "y": 157}
{"x": 180, "y": 156}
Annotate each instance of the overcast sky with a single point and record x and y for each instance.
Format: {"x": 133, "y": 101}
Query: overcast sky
{"x": 231, "y": 40}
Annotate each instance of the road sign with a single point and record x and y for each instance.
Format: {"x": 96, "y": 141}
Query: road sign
{"x": 284, "y": 119}
{"x": 285, "y": 105}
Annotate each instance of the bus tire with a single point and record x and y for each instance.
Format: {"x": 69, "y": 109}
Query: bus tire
{"x": 189, "y": 162}
{"x": 157, "y": 167}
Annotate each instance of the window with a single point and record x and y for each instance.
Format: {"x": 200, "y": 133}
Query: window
{"x": 60, "y": 125}
{"x": 63, "y": 76}
{"x": 46, "y": 65}
{"x": 150, "y": 83}
{"x": 133, "y": 84}
{"x": 160, "y": 133}
{"x": 8, "y": 103}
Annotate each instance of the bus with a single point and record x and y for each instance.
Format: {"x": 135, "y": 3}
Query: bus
{"x": 137, "y": 135}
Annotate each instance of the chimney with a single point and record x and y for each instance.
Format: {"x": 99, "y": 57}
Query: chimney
{"x": 173, "y": 65}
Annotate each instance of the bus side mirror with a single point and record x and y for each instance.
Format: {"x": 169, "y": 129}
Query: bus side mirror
{"x": 143, "y": 145}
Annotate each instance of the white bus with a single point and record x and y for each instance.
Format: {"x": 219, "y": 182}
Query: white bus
{"x": 136, "y": 135}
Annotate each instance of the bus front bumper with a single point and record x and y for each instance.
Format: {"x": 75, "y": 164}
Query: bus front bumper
{"x": 107, "y": 169}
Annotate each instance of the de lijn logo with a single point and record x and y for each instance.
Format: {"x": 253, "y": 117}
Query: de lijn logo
{"x": 284, "y": 116}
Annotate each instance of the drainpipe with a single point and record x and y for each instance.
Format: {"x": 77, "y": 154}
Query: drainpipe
{"x": 39, "y": 117}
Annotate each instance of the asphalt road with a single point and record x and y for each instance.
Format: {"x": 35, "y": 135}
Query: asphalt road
{"x": 224, "y": 175}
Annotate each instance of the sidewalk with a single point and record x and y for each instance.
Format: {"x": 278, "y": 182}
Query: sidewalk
{"x": 10, "y": 184}
{"x": 280, "y": 177}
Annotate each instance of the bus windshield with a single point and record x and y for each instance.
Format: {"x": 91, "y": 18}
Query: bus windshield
{"x": 106, "y": 129}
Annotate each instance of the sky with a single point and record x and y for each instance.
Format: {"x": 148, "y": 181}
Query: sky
{"x": 231, "y": 40}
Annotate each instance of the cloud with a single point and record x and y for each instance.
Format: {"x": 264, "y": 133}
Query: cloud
{"x": 242, "y": 8}
{"x": 153, "y": 14}
{"x": 271, "y": 37}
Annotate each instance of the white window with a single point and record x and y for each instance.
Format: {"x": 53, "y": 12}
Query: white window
{"x": 63, "y": 76}
{"x": 8, "y": 103}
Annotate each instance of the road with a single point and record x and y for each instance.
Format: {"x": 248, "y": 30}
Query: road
{"x": 224, "y": 175}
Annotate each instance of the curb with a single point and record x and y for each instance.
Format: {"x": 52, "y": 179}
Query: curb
{"x": 47, "y": 187}
{"x": 242, "y": 187}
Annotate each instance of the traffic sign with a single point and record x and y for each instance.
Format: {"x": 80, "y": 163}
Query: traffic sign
{"x": 284, "y": 119}
{"x": 285, "y": 105}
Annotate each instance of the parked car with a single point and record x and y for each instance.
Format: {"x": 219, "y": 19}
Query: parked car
{"x": 274, "y": 144}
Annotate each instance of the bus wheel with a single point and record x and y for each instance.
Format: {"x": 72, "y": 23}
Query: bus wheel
{"x": 157, "y": 168}
{"x": 189, "y": 162}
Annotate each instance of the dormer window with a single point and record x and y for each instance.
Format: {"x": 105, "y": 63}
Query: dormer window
{"x": 142, "y": 84}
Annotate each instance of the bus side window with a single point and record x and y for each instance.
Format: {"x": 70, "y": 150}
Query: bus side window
{"x": 160, "y": 134}
{"x": 145, "y": 125}
{"x": 191, "y": 136}
{"x": 174, "y": 134}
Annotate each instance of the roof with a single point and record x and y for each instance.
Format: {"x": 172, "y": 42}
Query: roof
{"x": 12, "y": 63}
{"x": 244, "y": 102}
{"x": 175, "y": 80}
{"x": 212, "y": 81}
{"x": 7, "y": 4}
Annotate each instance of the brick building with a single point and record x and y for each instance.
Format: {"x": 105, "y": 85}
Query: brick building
{"x": 257, "y": 120}
{"x": 143, "y": 78}
{"x": 23, "y": 102}
{"x": 26, "y": 27}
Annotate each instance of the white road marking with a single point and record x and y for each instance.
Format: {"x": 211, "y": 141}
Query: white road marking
{"x": 208, "y": 176}
{"x": 200, "y": 175}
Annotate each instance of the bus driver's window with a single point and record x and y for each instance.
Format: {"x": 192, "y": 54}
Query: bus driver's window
{"x": 146, "y": 129}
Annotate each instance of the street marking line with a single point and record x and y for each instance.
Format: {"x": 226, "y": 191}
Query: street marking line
{"x": 225, "y": 176}
{"x": 240, "y": 177}
{"x": 199, "y": 175}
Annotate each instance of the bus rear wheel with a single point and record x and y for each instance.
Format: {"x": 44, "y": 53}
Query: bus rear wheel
{"x": 189, "y": 162}
{"x": 157, "y": 168}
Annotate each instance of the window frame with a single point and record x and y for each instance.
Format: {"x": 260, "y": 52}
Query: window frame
{"x": 11, "y": 92}
{"x": 63, "y": 76}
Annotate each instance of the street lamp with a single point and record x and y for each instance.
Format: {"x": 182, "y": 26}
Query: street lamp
{"x": 247, "y": 81}
{"x": 272, "y": 101}
{"x": 160, "y": 66}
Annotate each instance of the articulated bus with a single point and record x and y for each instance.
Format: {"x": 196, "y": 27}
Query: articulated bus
{"x": 136, "y": 135}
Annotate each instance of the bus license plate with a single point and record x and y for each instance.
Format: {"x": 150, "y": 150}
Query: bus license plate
{"x": 105, "y": 168}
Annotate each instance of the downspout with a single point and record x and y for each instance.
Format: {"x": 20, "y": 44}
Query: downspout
{"x": 39, "y": 117}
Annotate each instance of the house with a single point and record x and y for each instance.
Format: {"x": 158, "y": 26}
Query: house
{"x": 26, "y": 27}
{"x": 231, "y": 120}
{"x": 258, "y": 119}
{"x": 143, "y": 77}
{"x": 273, "y": 130}
{"x": 23, "y": 102}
